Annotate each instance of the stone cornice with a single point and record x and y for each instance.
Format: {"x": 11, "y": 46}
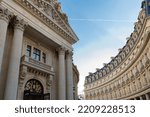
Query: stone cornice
{"x": 51, "y": 18}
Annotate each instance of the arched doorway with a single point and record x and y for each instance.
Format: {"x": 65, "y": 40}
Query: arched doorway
{"x": 33, "y": 90}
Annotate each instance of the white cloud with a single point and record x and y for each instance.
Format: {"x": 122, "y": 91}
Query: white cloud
{"x": 99, "y": 20}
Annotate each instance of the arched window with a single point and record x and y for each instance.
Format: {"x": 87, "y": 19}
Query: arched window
{"x": 33, "y": 90}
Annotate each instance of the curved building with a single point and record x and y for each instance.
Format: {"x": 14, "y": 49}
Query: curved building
{"x": 36, "y": 51}
{"x": 127, "y": 75}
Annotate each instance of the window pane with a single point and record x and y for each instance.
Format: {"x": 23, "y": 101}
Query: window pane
{"x": 28, "y": 51}
{"x": 38, "y": 57}
{"x": 36, "y": 54}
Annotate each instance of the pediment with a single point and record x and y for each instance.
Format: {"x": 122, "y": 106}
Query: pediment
{"x": 49, "y": 12}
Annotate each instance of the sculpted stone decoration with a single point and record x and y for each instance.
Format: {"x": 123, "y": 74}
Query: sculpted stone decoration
{"x": 115, "y": 63}
{"x": 49, "y": 11}
{"x": 69, "y": 54}
{"x": 61, "y": 50}
{"x": 108, "y": 69}
{"x": 89, "y": 80}
{"x": 142, "y": 15}
{"x": 46, "y": 11}
{"x": 20, "y": 23}
{"x": 5, "y": 14}
{"x": 49, "y": 80}
{"x": 131, "y": 43}
{"x": 119, "y": 59}
{"x": 138, "y": 26}
{"x": 22, "y": 76}
{"x": 146, "y": 60}
{"x": 93, "y": 78}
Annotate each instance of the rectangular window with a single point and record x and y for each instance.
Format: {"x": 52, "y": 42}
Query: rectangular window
{"x": 44, "y": 57}
{"x": 36, "y": 54}
{"x": 28, "y": 51}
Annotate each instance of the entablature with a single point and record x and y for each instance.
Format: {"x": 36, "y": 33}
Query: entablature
{"x": 47, "y": 11}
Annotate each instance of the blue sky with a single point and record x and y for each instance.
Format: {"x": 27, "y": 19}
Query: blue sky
{"x": 102, "y": 27}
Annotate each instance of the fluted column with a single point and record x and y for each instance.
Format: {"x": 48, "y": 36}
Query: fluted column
{"x": 69, "y": 69}
{"x": 62, "y": 79}
{"x": 14, "y": 63}
{"x": 4, "y": 21}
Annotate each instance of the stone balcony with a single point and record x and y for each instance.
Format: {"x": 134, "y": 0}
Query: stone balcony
{"x": 36, "y": 65}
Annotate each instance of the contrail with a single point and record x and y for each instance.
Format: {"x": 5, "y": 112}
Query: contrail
{"x": 101, "y": 20}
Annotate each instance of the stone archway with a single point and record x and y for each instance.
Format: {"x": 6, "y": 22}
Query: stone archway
{"x": 33, "y": 90}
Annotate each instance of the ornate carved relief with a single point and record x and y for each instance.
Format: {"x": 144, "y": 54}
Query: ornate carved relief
{"x": 5, "y": 14}
{"x": 49, "y": 81}
{"x": 55, "y": 19}
{"x": 22, "y": 75}
{"x": 19, "y": 23}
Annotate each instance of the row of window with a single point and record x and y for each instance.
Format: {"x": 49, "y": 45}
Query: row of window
{"x": 36, "y": 54}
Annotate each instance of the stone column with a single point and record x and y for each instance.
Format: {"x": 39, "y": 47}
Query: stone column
{"x": 14, "y": 63}
{"x": 62, "y": 79}
{"x": 69, "y": 69}
{"x": 141, "y": 98}
{"x": 4, "y": 21}
{"x": 147, "y": 97}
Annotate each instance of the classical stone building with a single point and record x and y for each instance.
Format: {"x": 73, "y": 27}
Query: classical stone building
{"x": 127, "y": 75}
{"x": 36, "y": 51}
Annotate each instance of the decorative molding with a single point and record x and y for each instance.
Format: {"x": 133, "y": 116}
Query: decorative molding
{"x": 49, "y": 81}
{"x": 19, "y": 23}
{"x": 22, "y": 75}
{"x": 69, "y": 54}
{"x": 61, "y": 50}
{"x": 48, "y": 13}
{"x": 5, "y": 14}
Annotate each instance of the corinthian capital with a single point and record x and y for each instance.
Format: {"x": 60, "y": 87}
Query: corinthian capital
{"x": 5, "y": 14}
{"x": 61, "y": 50}
{"x": 69, "y": 54}
{"x": 20, "y": 23}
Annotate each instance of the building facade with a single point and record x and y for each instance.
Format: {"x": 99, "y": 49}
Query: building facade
{"x": 36, "y": 51}
{"x": 127, "y": 75}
